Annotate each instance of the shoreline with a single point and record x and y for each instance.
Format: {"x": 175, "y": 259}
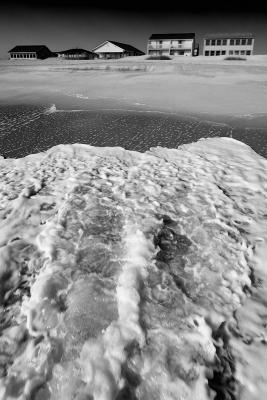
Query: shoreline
{"x": 28, "y": 129}
{"x": 174, "y": 86}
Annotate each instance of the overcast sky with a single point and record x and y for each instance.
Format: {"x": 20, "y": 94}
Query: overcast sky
{"x": 65, "y": 24}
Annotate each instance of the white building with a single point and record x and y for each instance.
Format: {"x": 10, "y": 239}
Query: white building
{"x": 228, "y": 44}
{"x": 171, "y": 44}
{"x": 110, "y": 49}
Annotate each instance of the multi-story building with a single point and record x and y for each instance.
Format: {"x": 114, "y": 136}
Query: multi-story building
{"x": 171, "y": 44}
{"x": 225, "y": 44}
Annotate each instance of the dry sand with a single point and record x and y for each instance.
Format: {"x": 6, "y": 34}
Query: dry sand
{"x": 197, "y": 85}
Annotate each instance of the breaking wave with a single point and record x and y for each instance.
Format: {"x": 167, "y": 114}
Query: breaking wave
{"x": 129, "y": 275}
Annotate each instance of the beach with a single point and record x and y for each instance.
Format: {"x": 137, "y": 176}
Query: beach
{"x": 132, "y": 102}
{"x": 133, "y": 230}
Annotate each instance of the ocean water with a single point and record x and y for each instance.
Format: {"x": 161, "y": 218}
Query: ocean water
{"x": 26, "y": 128}
{"x": 131, "y": 275}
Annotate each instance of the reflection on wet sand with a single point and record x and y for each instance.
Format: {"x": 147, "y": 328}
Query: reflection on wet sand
{"x": 26, "y": 129}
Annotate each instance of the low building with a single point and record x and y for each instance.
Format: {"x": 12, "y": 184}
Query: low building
{"x": 30, "y": 52}
{"x": 110, "y": 50}
{"x": 171, "y": 44}
{"x": 76, "y": 54}
{"x": 228, "y": 44}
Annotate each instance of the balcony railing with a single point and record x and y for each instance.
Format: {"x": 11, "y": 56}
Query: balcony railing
{"x": 181, "y": 47}
{"x": 170, "y": 47}
{"x": 158, "y": 47}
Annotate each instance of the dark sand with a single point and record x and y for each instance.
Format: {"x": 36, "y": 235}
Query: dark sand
{"x": 26, "y": 129}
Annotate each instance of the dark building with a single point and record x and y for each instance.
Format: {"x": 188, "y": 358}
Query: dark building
{"x": 76, "y": 54}
{"x": 110, "y": 49}
{"x": 30, "y": 52}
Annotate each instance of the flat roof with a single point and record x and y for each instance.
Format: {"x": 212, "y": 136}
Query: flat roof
{"x": 234, "y": 35}
{"x": 183, "y": 35}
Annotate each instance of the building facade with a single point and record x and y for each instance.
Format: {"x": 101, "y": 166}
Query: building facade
{"x": 111, "y": 50}
{"x": 30, "y": 52}
{"x": 172, "y": 44}
{"x": 235, "y": 44}
{"x": 76, "y": 54}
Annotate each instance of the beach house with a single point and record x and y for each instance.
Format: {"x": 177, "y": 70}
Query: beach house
{"x": 76, "y": 54}
{"x": 171, "y": 44}
{"x": 110, "y": 50}
{"x": 30, "y": 52}
{"x": 228, "y": 44}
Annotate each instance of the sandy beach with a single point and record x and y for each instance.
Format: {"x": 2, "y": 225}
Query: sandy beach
{"x": 191, "y": 85}
{"x": 133, "y": 102}
{"x": 133, "y": 254}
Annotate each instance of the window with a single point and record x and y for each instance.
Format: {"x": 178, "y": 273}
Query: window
{"x": 218, "y": 53}
{"x": 249, "y": 42}
{"x": 224, "y": 42}
{"x": 243, "y": 42}
{"x": 212, "y": 53}
{"x": 248, "y": 52}
{"x": 231, "y": 52}
{"x": 219, "y": 42}
{"x": 207, "y": 53}
{"x": 232, "y": 42}
{"x": 207, "y": 42}
{"x": 223, "y": 53}
{"x": 213, "y": 42}
{"x": 237, "y": 52}
{"x": 242, "y": 52}
{"x": 237, "y": 42}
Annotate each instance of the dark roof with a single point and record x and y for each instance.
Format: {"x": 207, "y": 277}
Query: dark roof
{"x": 74, "y": 51}
{"x": 126, "y": 47}
{"x": 235, "y": 35}
{"x": 31, "y": 49}
{"x": 172, "y": 36}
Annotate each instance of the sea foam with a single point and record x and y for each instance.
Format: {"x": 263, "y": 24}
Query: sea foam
{"x": 134, "y": 275}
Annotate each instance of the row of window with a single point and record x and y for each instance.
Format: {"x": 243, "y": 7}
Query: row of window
{"x": 231, "y": 53}
{"x": 233, "y": 42}
{"x": 173, "y": 42}
{"x": 23, "y": 55}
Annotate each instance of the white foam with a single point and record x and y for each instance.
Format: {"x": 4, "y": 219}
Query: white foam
{"x": 78, "y": 226}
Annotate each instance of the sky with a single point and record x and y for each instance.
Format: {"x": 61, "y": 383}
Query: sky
{"x": 78, "y": 23}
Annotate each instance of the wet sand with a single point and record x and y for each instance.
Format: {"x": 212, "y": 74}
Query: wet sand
{"x": 26, "y": 129}
{"x": 134, "y": 104}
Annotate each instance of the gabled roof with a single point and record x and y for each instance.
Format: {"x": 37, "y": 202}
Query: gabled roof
{"x": 123, "y": 46}
{"x": 31, "y": 49}
{"x": 172, "y": 36}
{"x": 74, "y": 51}
{"x": 235, "y": 35}
{"x": 126, "y": 47}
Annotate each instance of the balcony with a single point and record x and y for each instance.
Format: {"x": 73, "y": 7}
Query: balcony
{"x": 158, "y": 47}
{"x": 170, "y": 47}
{"x": 181, "y": 47}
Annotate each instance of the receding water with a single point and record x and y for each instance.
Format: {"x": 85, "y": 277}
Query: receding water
{"x": 26, "y": 129}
